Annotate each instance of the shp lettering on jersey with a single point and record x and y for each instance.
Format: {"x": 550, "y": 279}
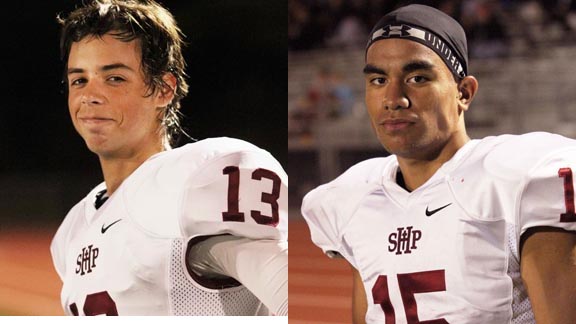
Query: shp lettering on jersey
{"x": 404, "y": 240}
{"x": 86, "y": 260}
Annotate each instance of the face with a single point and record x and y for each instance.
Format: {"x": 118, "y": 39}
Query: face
{"x": 412, "y": 99}
{"x": 109, "y": 101}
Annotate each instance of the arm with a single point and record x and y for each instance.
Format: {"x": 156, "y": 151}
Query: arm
{"x": 548, "y": 270}
{"x": 359, "y": 301}
{"x": 260, "y": 265}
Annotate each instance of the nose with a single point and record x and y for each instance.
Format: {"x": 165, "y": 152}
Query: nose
{"x": 395, "y": 97}
{"x": 91, "y": 99}
{"x": 91, "y": 94}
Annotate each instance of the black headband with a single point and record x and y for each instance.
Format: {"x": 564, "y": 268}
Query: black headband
{"x": 429, "y": 27}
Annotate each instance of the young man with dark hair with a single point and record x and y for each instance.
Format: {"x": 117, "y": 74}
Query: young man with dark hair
{"x": 197, "y": 230}
{"x": 447, "y": 229}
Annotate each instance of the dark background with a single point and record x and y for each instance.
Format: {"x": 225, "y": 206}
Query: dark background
{"x": 237, "y": 69}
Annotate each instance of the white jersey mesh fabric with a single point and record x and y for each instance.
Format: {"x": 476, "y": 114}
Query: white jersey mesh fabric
{"x": 521, "y": 307}
{"x": 187, "y": 297}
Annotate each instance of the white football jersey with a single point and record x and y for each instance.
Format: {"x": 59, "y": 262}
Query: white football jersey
{"x": 448, "y": 252}
{"x": 129, "y": 256}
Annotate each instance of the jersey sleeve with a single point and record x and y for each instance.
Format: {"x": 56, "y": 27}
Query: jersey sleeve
{"x": 329, "y": 208}
{"x": 242, "y": 192}
{"x": 548, "y": 196}
{"x": 260, "y": 265}
{"x": 319, "y": 215}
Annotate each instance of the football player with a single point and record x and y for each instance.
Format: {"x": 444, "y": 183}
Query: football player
{"x": 197, "y": 230}
{"x": 447, "y": 229}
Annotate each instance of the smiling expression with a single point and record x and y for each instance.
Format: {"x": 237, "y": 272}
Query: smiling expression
{"x": 109, "y": 101}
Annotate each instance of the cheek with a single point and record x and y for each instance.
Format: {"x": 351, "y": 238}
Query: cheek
{"x": 445, "y": 114}
{"x": 371, "y": 99}
{"x": 73, "y": 104}
{"x": 137, "y": 112}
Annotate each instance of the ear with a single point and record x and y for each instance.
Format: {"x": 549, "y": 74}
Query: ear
{"x": 467, "y": 89}
{"x": 166, "y": 93}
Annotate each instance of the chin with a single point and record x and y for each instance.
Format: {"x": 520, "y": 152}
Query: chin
{"x": 396, "y": 145}
{"x": 98, "y": 147}
{"x": 405, "y": 150}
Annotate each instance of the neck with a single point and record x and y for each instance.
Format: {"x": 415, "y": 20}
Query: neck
{"x": 417, "y": 171}
{"x": 117, "y": 169}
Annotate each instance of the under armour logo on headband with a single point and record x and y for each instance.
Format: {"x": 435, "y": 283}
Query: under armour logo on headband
{"x": 398, "y": 31}
{"x": 424, "y": 37}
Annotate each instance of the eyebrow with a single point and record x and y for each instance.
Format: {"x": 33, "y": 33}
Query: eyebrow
{"x": 104, "y": 68}
{"x": 407, "y": 68}
{"x": 369, "y": 68}
{"x": 417, "y": 65}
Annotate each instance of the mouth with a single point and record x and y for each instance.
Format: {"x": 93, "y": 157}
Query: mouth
{"x": 95, "y": 124}
{"x": 394, "y": 125}
{"x": 95, "y": 120}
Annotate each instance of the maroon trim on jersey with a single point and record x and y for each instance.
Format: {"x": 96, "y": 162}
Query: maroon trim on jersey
{"x": 570, "y": 214}
{"x": 74, "y": 309}
{"x": 210, "y": 283}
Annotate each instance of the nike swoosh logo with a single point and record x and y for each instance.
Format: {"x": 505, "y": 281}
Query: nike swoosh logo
{"x": 434, "y": 211}
{"x": 105, "y": 228}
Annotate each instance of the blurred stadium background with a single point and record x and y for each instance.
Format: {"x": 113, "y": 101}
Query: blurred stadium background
{"x": 236, "y": 64}
{"x": 522, "y": 53}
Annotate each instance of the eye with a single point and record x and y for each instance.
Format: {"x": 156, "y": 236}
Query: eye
{"x": 417, "y": 79}
{"x": 377, "y": 81}
{"x": 77, "y": 82}
{"x": 116, "y": 79}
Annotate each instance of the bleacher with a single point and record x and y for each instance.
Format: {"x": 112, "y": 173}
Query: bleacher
{"x": 534, "y": 90}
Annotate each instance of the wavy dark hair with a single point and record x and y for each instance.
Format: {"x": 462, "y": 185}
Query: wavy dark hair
{"x": 158, "y": 35}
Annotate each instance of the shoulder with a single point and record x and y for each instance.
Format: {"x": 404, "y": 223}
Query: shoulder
{"x": 191, "y": 186}
{"x": 214, "y": 159}
{"x": 193, "y": 157}
{"x": 544, "y": 166}
{"x": 517, "y": 155}
{"x": 368, "y": 171}
{"x": 328, "y": 208}
{"x": 220, "y": 145}
{"x": 363, "y": 174}
{"x": 213, "y": 148}
{"x": 512, "y": 157}
{"x": 240, "y": 189}
{"x": 493, "y": 177}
